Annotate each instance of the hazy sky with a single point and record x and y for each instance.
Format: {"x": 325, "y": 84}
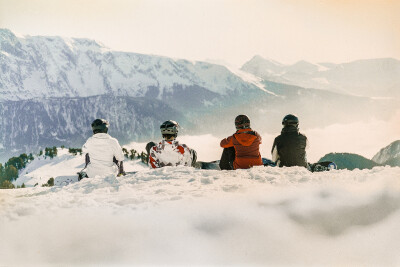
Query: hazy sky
{"x": 227, "y": 30}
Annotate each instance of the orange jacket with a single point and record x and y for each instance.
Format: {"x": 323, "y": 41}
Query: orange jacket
{"x": 247, "y": 148}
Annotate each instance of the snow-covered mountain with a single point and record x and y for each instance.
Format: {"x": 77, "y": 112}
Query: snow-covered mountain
{"x": 37, "y": 67}
{"x": 389, "y": 155}
{"x": 51, "y": 88}
{"x": 370, "y": 77}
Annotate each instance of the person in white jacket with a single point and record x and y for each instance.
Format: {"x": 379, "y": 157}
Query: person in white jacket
{"x": 103, "y": 153}
{"x": 169, "y": 152}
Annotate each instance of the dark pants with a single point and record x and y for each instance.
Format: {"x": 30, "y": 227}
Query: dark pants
{"x": 227, "y": 158}
{"x": 148, "y": 147}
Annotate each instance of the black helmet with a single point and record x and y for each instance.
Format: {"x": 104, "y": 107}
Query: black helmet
{"x": 242, "y": 122}
{"x": 169, "y": 128}
{"x": 290, "y": 119}
{"x": 100, "y": 126}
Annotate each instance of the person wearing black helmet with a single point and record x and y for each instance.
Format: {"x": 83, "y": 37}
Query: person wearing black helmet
{"x": 169, "y": 152}
{"x": 242, "y": 149}
{"x": 289, "y": 148}
{"x": 103, "y": 154}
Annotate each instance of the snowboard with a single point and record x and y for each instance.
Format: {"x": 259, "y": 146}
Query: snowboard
{"x": 313, "y": 167}
{"x": 322, "y": 166}
{"x": 212, "y": 165}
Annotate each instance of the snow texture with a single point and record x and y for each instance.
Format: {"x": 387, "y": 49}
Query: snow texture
{"x": 185, "y": 216}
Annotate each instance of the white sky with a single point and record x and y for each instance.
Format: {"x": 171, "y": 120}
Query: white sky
{"x": 227, "y": 30}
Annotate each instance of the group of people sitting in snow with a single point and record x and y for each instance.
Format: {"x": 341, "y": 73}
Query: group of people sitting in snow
{"x": 104, "y": 156}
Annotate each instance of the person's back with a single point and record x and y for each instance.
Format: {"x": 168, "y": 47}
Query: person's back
{"x": 102, "y": 151}
{"x": 246, "y": 144}
{"x": 169, "y": 152}
{"x": 289, "y": 148}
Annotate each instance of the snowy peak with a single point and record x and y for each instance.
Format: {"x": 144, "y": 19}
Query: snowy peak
{"x": 302, "y": 67}
{"x": 388, "y": 154}
{"x": 369, "y": 77}
{"x": 9, "y": 43}
{"x": 41, "y": 66}
{"x": 260, "y": 66}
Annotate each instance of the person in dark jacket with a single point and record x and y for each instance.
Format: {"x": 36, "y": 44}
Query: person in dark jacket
{"x": 289, "y": 148}
{"x": 246, "y": 144}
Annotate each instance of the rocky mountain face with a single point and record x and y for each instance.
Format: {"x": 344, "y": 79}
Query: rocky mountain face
{"x": 389, "y": 155}
{"x": 370, "y": 77}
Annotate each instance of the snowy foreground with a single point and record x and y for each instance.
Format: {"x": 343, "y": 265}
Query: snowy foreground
{"x": 185, "y": 216}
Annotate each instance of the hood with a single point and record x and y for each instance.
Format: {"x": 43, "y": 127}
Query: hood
{"x": 245, "y": 139}
{"x": 101, "y": 136}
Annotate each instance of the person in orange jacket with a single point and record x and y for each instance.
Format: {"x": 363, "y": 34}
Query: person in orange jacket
{"x": 246, "y": 145}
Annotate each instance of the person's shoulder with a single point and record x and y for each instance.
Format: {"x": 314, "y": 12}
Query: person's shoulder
{"x": 178, "y": 144}
{"x": 112, "y": 139}
{"x": 256, "y": 133}
{"x": 301, "y": 134}
{"x": 232, "y": 135}
{"x": 89, "y": 140}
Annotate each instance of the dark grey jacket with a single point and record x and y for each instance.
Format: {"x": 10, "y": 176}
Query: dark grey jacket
{"x": 289, "y": 148}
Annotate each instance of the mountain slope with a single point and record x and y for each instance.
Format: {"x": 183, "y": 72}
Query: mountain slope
{"x": 389, "y": 155}
{"x": 37, "y": 67}
{"x": 370, "y": 77}
{"x": 28, "y": 125}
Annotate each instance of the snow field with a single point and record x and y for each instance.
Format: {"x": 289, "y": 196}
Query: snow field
{"x": 186, "y": 216}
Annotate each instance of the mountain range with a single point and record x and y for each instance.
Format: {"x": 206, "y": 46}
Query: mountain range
{"x": 51, "y": 88}
{"x": 370, "y": 77}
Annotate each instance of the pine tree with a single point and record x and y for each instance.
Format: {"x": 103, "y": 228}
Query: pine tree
{"x": 7, "y": 185}
{"x": 11, "y": 173}
{"x": 143, "y": 157}
{"x": 133, "y": 153}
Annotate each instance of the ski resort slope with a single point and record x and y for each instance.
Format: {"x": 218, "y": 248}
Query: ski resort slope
{"x": 186, "y": 216}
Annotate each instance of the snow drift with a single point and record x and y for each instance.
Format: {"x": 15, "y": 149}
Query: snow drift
{"x": 186, "y": 216}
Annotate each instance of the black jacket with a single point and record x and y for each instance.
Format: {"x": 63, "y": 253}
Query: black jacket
{"x": 290, "y": 147}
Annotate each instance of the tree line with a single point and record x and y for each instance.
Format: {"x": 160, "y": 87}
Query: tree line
{"x": 10, "y": 171}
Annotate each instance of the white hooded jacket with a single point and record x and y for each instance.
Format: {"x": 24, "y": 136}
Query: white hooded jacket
{"x": 101, "y": 148}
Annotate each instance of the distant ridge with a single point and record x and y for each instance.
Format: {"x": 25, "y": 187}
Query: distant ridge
{"x": 378, "y": 77}
{"x": 349, "y": 161}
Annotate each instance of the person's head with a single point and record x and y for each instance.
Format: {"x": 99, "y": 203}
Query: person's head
{"x": 169, "y": 130}
{"x": 100, "y": 126}
{"x": 290, "y": 120}
{"x": 242, "y": 122}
